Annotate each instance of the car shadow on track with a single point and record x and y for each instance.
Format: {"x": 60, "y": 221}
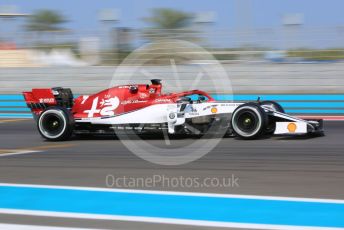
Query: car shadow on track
{"x": 182, "y": 137}
{"x": 300, "y": 137}
{"x": 132, "y": 137}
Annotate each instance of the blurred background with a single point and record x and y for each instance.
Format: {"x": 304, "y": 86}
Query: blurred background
{"x": 289, "y": 51}
{"x": 100, "y": 33}
{"x": 295, "y": 44}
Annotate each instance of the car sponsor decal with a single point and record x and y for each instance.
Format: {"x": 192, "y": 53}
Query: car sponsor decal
{"x": 292, "y": 127}
{"x": 84, "y": 98}
{"x": 143, "y": 95}
{"x": 213, "y": 110}
{"x": 210, "y": 107}
{"x": 133, "y": 102}
{"x": 47, "y": 100}
{"x": 106, "y": 107}
{"x": 163, "y": 100}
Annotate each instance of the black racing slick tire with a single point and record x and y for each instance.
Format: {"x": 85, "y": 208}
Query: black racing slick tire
{"x": 56, "y": 124}
{"x": 249, "y": 121}
{"x": 271, "y": 125}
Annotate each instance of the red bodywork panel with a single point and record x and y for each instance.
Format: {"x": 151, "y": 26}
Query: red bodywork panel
{"x": 110, "y": 102}
{"x": 39, "y": 99}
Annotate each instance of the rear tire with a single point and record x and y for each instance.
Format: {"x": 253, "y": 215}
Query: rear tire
{"x": 55, "y": 124}
{"x": 249, "y": 121}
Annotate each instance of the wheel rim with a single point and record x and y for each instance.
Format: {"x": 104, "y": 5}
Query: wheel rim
{"x": 246, "y": 122}
{"x": 52, "y": 124}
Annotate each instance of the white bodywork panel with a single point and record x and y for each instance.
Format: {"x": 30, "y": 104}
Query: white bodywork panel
{"x": 291, "y": 127}
{"x": 160, "y": 113}
{"x": 173, "y": 116}
{"x": 151, "y": 114}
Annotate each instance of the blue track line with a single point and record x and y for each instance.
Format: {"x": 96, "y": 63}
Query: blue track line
{"x": 12, "y": 103}
{"x": 11, "y": 97}
{"x": 21, "y": 109}
{"x": 16, "y": 115}
{"x": 185, "y": 207}
{"x": 296, "y": 103}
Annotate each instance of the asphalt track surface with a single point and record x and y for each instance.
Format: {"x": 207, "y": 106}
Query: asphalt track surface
{"x": 277, "y": 166}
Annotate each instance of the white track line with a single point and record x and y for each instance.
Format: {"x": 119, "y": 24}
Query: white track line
{"x": 160, "y": 220}
{"x": 19, "y": 152}
{"x": 35, "y": 227}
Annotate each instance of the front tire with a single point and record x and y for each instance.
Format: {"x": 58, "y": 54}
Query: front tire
{"x": 249, "y": 121}
{"x": 55, "y": 124}
{"x": 271, "y": 125}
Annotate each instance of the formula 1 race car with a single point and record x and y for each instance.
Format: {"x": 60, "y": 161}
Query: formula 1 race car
{"x": 143, "y": 107}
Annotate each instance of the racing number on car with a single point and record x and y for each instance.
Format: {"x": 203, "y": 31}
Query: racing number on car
{"x": 107, "y": 107}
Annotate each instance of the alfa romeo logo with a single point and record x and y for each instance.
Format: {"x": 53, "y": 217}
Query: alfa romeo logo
{"x": 182, "y": 66}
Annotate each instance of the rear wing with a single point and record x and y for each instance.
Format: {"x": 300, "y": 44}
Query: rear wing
{"x": 40, "y": 99}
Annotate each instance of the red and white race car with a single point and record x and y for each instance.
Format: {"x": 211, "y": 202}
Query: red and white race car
{"x": 143, "y": 107}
